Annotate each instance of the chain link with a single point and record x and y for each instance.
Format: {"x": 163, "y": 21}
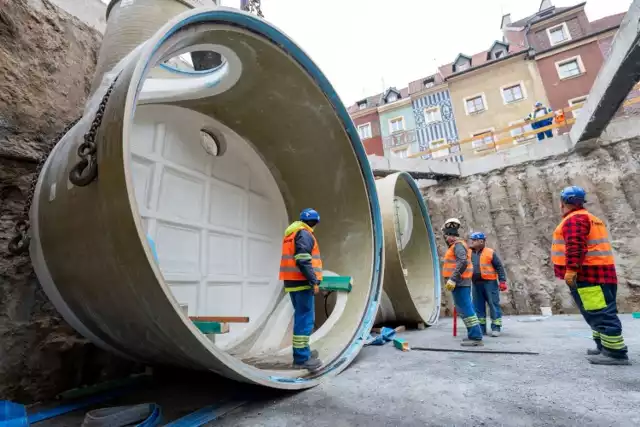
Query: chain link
{"x": 253, "y": 6}
{"x": 20, "y": 242}
{"x": 86, "y": 170}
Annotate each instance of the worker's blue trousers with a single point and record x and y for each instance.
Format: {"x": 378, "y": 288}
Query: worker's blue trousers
{"x": 486, "y": 292}
{"x": 597, "y": 303}
{"x": 303, "y": 322}
{"x": 464, "y": 306}
{"x": 542, "y": 124}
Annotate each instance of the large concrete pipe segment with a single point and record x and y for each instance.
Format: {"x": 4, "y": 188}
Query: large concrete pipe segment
{"x": 411, "y": 291}
{"x": 213, "y": 177}
{"x": 132, "y": 22}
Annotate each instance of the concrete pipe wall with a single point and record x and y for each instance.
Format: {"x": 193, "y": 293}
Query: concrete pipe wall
{"x": 412, "y": 270}
{"x": 132, "y": 22}
{"x": 213, "y": 174}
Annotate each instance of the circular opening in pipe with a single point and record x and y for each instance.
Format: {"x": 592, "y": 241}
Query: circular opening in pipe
{"x": 194, "y": 63}
{"x": 212, "y": 142}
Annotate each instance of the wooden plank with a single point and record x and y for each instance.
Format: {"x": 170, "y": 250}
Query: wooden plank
{"x": 221, "y": 319}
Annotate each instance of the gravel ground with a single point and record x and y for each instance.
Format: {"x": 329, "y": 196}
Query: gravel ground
{"x": 385, "y": 387}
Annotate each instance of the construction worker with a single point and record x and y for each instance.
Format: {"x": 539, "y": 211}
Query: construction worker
{"x": 301, "y": 271}
{"x": 582, "y": 256}
{"x": 540, "y": 110}
{"x": 489, "y": 279}
{"x": 458, "y": 270}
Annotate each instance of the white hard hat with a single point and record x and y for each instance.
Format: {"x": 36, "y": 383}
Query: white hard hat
{"x": 452, "y": 223}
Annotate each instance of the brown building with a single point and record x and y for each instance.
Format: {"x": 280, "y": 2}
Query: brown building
{"x": 567, "y": 48}
{"x": 365, "y": 116}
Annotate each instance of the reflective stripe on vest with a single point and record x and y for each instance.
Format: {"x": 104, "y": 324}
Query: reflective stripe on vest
{"x": 599, "y": 251}
{"x": 288, "y": 267}
{"x": 486, "y": 265}
{"x": 449, "y": 265}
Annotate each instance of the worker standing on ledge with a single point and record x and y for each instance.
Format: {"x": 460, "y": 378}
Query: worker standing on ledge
{"x": 489, "y": 279}
{"x": 582, "y": 256}
{"x": 458, "y": 270}
{"x": 301, "y": 271}
{"x": 540, "y": 110}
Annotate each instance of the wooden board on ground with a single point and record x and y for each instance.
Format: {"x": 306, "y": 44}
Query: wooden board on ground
{"x": 220, "y": 319}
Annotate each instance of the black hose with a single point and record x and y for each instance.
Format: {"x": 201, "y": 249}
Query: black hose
{"x": 460, "y": 350}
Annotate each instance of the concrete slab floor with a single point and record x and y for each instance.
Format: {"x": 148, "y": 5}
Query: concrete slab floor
{"x": 385, "y": 387}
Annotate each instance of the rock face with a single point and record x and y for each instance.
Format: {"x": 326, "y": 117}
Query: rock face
{"x": 47, "y": 60}
{"x": 519, "y": 207}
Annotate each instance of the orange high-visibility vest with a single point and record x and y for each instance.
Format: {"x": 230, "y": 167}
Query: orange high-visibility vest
{"x": 560, "y": 119}
{"x": 449, "y": 265}
{"x": 599, "y": 251}
{"x": 486, "y": 265}
{"x": 288, "y": 268}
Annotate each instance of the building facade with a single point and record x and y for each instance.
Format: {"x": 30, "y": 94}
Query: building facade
{"x": 364, "y": 114}
{"x": 397, "y": 123}
{"x": 491, "y": 91}
{"x": 434, "y": 118}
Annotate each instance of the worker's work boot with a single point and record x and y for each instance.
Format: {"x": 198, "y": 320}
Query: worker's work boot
{"x": 314, "y": 354}
{"x": 471, "y": 343}
{"x": 312, "y": 364}
{"x": 601, "y": 359}
{"x": 593, "y": 352}
{"x": 495, "y": 333}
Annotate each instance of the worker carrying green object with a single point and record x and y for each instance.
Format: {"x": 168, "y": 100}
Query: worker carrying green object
{"x": 301, "y": 271}
{"x": 489, "y": 279}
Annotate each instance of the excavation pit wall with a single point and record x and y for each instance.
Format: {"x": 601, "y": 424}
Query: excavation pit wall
{"x": 518, "y": 207}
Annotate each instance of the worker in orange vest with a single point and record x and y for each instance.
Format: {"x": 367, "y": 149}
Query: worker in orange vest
{"x": 582, "y": 256}
{"x": 301, "y": 271}
{"x": 458, "y": 270}
{"x": 489, "y": 279}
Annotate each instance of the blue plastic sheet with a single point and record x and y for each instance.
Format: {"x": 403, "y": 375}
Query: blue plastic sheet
{"x": 386, "y": 335}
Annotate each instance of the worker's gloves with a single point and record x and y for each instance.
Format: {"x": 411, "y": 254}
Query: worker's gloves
{"x": 503, "y": 287}
{"x": 316, "y": 289}
{"x": 450, "y": 285}
{"x": 570, "y": 277}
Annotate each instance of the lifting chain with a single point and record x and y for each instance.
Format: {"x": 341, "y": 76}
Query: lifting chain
{"x": 86, "y": 170}
{"x": 252, "y": 6}
{"x": 20, "y": 242}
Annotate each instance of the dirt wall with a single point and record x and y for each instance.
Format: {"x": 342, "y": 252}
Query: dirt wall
{"x": 519, "y": 207}
{"x": 46, "y": 63}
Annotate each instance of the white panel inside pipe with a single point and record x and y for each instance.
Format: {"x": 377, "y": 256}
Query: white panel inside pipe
{"x": 412, "y": 272}
{"x": 213, "y": 177}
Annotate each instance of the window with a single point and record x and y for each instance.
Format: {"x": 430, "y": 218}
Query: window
{"x": 364, "y": 131}
{"x": 576, "y": 101}
{"x": 392, "y": 97}
{"x": 512, "y": 93}
{"x": 498, "y": 54}
{"x": 435, "y": 153}
{"x": 515, "y": 133}
{"x": 558, "y": 34}
{"x": 462, "y": 67}
{"x": 362, "y": 105}
{"x": 396, "y": 125}
{"x": 432, "y": 115}
{"x": 402, "y": 153}
{"x": 475, "y": 104}
{"x": 570, "y": 68}
{"x": 486, "y": 138}
{"x": 430, "y": 82}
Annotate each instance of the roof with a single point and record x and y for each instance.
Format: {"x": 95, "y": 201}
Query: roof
{"x": 542, "y": 15}
{"x": 418, "y": 85}
{"x": 372, "y": 101}
{"x": 479, "y": 60}
{"x": 607, "y": 22}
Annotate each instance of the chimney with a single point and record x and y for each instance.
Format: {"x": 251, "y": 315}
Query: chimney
{"x": 544, "y": 5}
{"x": 506, "y": 21}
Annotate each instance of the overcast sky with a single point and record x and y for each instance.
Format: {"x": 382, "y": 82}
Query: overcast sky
{"x": 359, "y": 44}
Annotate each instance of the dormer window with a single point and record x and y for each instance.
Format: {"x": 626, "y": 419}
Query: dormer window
{"x": 429, "y": 82}
{"x": 462, "y": 62}
{"x": 362, "y": 105}
{"x": 558, "y": 34}
{"x": 462, "y": 67}
{"x": 498, "y": 54}
{"x": 392, "y": 97}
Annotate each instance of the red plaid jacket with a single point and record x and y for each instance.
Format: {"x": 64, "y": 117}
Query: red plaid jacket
{"x": 576, "y": 231}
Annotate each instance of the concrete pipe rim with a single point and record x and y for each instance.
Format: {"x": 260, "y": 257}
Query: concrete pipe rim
{"x": 257, "y": 26}
{"x": 189, "y": 3}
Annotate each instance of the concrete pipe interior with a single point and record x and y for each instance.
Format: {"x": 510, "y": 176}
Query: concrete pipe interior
{"x": 212, "y": 172}
{"x": 412, "y": 273}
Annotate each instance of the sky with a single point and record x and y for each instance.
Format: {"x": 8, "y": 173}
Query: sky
{"x": 364, "y": 46}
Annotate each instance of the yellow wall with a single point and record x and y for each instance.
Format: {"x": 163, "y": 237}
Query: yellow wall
{"x": 489, "y": 80}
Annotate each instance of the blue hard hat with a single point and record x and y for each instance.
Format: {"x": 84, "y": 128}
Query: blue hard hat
{"x": 309, "y": 215}
{"x": 538, "y": 104}
{"x": 478, "y": 236}
{"x": 573, "y": 195}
